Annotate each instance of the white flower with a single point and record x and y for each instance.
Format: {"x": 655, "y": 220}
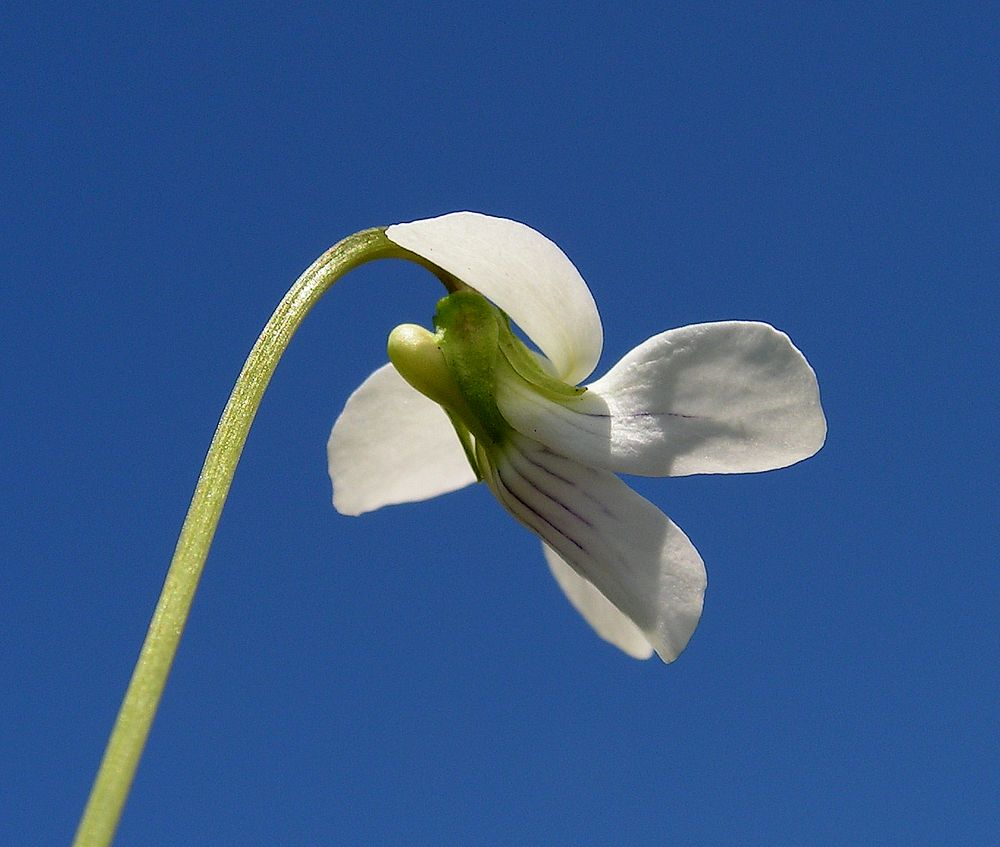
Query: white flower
{"x": 729, "y": 397}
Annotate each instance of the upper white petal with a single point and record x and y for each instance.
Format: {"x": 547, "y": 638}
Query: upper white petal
{"x": 597, "y": 609}
{"x": 729, "y": 397}
{"x": 524, "y": 274}
{"x": 392, "y": 445}
{"x": 618, "y": 541}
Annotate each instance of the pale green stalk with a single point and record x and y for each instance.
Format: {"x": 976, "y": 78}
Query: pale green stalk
{"x": 121, "y": 757}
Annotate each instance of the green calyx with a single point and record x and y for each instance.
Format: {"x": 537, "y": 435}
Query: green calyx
{"x": 459, "y": 366}
{"x": 525, "y": 365}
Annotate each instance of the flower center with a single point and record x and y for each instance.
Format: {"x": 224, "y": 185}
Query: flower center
{"x": 459, "y": 365}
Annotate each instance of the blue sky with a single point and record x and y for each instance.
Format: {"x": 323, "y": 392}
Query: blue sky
{"x": 414, "y": 676}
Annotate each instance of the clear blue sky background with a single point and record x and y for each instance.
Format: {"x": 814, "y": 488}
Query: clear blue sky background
{"x": 414, "y": 676}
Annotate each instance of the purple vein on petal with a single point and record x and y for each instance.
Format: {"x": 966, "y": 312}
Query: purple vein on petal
{"x": 607, "y": 559}
{"x": 540, "y": 521}
{"x": 545, "y": 451}
{"x": 639, "y": 415}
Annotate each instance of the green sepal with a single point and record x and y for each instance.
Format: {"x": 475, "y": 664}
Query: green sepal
{"x": 525, "y": 364}
{"x": 467, "y": 441}
{"x": 468, "y": 336}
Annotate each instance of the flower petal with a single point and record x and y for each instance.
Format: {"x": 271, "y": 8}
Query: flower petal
{"x": 392, "y": 445}
{"x": 618, "y": 541}
{"x": 729, "y": 397}
{"x": 597, "y": 609}
{"x": 524, "y": 274}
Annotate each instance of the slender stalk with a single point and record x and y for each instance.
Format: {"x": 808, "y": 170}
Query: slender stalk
{"x": 128, "y": 737}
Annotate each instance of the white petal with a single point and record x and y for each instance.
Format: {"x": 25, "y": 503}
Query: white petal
{"x": 618, "y": 541}
{"x": 730, "y": 397}
{"x": 524, "y": 274}
{"x": 392, "y": 445}
{"x": 597, "y": 609}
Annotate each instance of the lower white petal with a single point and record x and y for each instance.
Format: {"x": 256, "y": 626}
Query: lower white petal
{"x": 728, "y": 397}
{"x": 597, "y": 609}
{"x": 618, "y": 541}
{"x": 392, "y": 445}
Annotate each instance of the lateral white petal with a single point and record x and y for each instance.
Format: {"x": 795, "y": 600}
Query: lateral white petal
{"x": 597, "y": 609}
{"x": 618, "y": 541}
{"x": 728, "y": 397}
{"x": 392, "y": 445}
{"x": 523, "y": 273}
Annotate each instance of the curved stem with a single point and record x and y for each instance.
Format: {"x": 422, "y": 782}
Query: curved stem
{"x": 121, "y": 757}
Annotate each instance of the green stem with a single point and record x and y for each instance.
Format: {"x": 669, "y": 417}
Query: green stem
{"x": 121, "y": 757}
